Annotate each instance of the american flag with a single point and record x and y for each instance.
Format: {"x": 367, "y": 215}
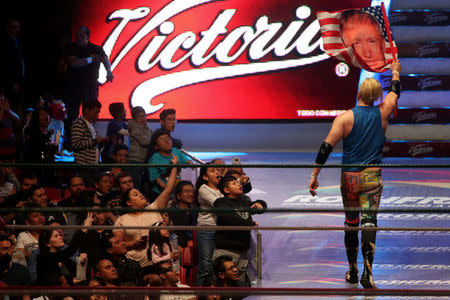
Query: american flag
{"x": 334, "y": 46}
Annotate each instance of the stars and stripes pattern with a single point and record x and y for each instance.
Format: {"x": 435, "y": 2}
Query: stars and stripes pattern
{"x": 334, "y": 46}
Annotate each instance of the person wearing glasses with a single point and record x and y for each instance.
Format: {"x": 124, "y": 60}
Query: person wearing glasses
{"x": 171, "y": 279}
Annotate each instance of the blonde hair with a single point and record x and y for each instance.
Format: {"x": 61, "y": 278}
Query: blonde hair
{"x": 370, "y": 91}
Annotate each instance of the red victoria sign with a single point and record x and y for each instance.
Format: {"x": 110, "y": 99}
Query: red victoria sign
{"x": 212, "y": 59}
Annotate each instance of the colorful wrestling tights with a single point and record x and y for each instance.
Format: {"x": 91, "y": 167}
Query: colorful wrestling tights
{"x": 361, "y": 190}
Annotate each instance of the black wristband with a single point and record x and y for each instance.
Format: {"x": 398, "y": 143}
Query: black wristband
{"x": 395, "y": 87}
{"x": 324, "y": 152}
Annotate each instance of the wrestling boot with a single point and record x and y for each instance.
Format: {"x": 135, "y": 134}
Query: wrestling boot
{"x": 351, "y": 247}
{"x": 368, "y": 250}
{"x": 351, "y": 276}
{"x": 366, "y": 277}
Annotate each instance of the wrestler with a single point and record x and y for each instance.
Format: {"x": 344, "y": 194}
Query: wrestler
{"x": 363, "y": 132}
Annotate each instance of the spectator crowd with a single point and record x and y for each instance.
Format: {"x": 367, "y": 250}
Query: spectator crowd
{"x": 151, "y": 256}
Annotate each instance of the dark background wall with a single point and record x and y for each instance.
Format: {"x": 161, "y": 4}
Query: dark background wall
{"x": 45, "y": 27}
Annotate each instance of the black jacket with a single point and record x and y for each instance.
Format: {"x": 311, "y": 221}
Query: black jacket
{"x": 235, "y": 240}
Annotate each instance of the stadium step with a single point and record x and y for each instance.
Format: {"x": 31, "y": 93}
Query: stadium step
{"x": 419, "y": 4}
{"x": 419, "y": 17}
{"x": 400, "y": 148}
{"x": 415, "y": 132}
{"x": 420, "y": 34}
{"x": 422, "y": 91}
{"x": 421, "y": 116}
{"x": 423, "y": 50}
{"x": 420, "y": 126}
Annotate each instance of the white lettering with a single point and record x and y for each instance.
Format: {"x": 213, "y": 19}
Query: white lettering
{"x": 208, "y": 37}
{"x": 146, "y": 91}
{"x": 435, "y": 200}
{"x": 408, "y": 199}
{"x": 125, "y": 15}
{"x": 229, "y": 49}
{"x": 329, "y": 199}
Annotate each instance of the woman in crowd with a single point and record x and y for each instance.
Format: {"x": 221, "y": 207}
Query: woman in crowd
{"x": 53, "y": 261}
{"x": 136, "y": 240}
{"x": 206, "y": 194}
{"x": 38, "y": 146}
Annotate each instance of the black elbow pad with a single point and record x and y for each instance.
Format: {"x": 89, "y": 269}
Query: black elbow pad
{"x": 324, "y": 152}
{"x": 395, "y": 87}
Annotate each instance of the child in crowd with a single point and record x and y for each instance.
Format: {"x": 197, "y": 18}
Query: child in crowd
{"x": 120, "y": 156}
{"x": 27, "y": 241}
{"x": 168, "y": 120}
{"x": 235, "y": 243}
{"x": 243, "y": 179}
{"x": 219, "y": 161}
{"x": 140, "y": 135}
{"x": 166, "y": 221}
{"x": 206, "y": 194}
{"x": 117, "y": 129}
{"x": 160, "y": 153}
{"x": 58, "y": 115}
{"x": 103, "y": 184}
{"x": 160, "y": 247}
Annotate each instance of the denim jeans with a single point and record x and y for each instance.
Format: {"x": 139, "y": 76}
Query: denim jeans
{"x": 206, "y": 245}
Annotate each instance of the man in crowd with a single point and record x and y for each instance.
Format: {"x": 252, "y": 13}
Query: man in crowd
{"x": 85, "y": 139}
{"x": 19, "y": 199}
{"x": 119, "y": 156}
{"x": 124, "y": 182}
{"x": 76, "y": 186}
{"x": 227, "y": 275}
{"x": 9, "y": 122}
{"x": 84, "y": 60}
{"x": 12, "y": 65}
{"x": 130, "y": 271}
{"x": 36, "y": 195}
{"x": 167, "y": 120}
{"x": 12, "y": 273}
{"x": 170, "y": 278}
{"x": 104, "y": 269}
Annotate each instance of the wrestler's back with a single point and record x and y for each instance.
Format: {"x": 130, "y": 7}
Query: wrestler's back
{"x": 364, "y": 143}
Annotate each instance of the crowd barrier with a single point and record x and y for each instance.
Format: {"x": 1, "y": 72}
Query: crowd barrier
{"x": 261, "y": 291}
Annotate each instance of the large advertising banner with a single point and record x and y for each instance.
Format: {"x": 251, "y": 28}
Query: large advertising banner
{"x": 220, "y": 60}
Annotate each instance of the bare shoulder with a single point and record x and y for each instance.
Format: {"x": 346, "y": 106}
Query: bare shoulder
{"x": 345, "y": 117}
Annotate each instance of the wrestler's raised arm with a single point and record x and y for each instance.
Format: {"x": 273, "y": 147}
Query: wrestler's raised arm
{"x": 389, "y": 103}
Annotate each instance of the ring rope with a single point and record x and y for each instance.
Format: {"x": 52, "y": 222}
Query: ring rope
{"x": 222, "y": 210}
{"x": 81, "y": 291}
{"x": 229, "y": 228}
{"x": 74, "y": 165}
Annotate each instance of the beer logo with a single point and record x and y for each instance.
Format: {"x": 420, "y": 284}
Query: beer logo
{"x": 213, "y": 59}
{"x": 420, "y": 149}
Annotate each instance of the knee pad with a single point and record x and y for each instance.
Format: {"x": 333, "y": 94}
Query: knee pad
{"x": 368, "y": 223}
{"x": 351, "y": 221}
{"x": 351, "y": 236}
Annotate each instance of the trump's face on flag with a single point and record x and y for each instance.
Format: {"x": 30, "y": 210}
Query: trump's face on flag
{"x": 361, "y": 37}
{"x": 361, "y": 30}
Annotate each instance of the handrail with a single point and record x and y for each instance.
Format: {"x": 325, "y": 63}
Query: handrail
{"x": 192, "y": 156}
